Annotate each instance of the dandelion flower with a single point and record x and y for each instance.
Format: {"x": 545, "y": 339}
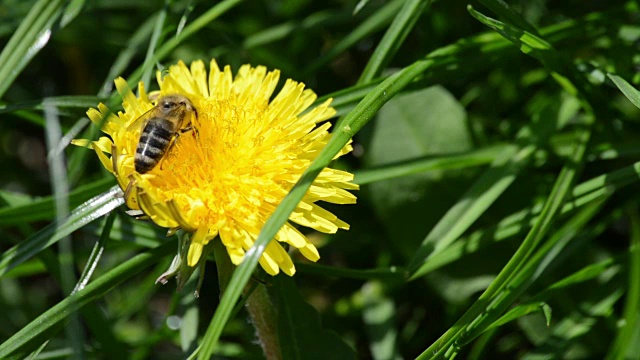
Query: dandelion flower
{"x": 225, "y": 178}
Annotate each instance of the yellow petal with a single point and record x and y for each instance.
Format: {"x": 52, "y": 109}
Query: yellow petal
{"x": 194, "y": 254}
{"x": 310, "y": 252}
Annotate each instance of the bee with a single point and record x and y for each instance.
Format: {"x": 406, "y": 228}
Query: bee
{"x": 161, "y": 127}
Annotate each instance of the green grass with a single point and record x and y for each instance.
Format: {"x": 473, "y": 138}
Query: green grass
{"x": 495, "y": 145}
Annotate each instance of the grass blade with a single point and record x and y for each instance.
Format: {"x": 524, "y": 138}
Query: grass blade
{"x": 372, "y": 24}
{"x": 147, "y": 65}
{"x": 87, "y": 212}
{"x": 31, "y": 36}
{"x": 629, "y": 91}
{"x": 623, "y": 341}
{"x": 38, "y": 330}
{"x": 393, "y": 38}
{"x": 42, "y": 209}
{"x": 484, "y": 192}
{"x": 430, "y": 163}
{"x": 188, "y": 31}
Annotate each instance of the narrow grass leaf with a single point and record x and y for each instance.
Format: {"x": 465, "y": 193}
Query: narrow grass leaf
{"x": 533, "y": 269}
{"x": 582, "y": 194}
{"x": 464, "y": 54}
{"x": 627, "y": 90}
{"x": 43, "y": 208}
{"x": 76, "y": 101}
{"x": 197, "y": 24}
{"x": 148, "y": 64}
{"x": 359, "y": 6}
{"x": 189, "y": 316}
{"x": 552, "y": 205}
{"x": 369, "y": 26}
{"x": 318, "y": 20}
{"x": 476, "y": 200}
{"x": 520, "y": 311}
{"x": 624, "y": 338}
{"x": 123, "y": 60}
{"x": 394, "y": 37}
{"x": 60, "y": 189}
{"x": 51, "y": 234}
{"x": 390, "y": 273}
{"x": 96, "y": 253}
{"x": 129, "y": 230}
{"x": 28, "y": 39}
{"x": 430, "y": 163}
{"x": 185, "y": 15}
{"x": 33, "y": 334}
{"x": 500, "y": 8}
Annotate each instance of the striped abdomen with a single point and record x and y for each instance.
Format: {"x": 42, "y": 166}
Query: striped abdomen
{"x": 155, "y": 138}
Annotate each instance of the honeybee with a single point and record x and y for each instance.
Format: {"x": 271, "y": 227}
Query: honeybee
{"x": 161, "y": 127}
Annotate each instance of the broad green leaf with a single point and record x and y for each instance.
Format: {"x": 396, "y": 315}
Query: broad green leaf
{"x": 416, "y": 124}
{"x": 379, "y": 314}
{"x": 300, "y": 331}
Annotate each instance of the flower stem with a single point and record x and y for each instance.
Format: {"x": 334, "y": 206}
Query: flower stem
{"x": 259, "y": 305}
{"x": 263, "y": 317}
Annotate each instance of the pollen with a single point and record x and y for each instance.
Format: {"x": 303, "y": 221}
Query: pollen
{"x": 222, "y": 179}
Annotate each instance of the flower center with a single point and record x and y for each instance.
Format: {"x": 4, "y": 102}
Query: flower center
{"x": 244, "y": 172}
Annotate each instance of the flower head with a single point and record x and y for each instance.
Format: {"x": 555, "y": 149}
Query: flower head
{"x": 227, "y": 175}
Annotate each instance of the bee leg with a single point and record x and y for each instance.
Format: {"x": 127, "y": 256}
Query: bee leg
{"x": 127, "y": 192}
{"x": 190, "y": 128}
{"x": 173, "y": 142}
{"x": 114, "y": 159}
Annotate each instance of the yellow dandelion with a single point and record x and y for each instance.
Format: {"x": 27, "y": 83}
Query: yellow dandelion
{"x": 226, "y": 177}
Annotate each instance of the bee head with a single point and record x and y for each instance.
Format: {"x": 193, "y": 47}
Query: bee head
{"x": 171, "y": 103}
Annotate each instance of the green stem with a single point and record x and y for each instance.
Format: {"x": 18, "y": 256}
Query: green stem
{"x": 263, "y": 317}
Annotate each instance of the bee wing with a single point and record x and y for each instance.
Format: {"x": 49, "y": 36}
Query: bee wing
{"x": 142, "y": 120}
